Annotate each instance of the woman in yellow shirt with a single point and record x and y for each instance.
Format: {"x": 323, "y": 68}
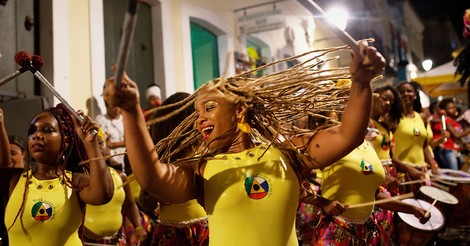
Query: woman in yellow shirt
{"x": 245, "y": 175}
{"x": 46, "y": 202}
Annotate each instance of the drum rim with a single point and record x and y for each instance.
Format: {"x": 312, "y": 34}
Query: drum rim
{"x": 450, "y": 178}
{"x": 455, "y": 200}
{"x": 401, "y": 214}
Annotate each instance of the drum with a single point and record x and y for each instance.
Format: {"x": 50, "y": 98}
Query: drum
{"x": 458, "y": 183}
{"x": 445, "y": 201}
{"x": 411, "y": 232}
{"x": 451, "y": 175}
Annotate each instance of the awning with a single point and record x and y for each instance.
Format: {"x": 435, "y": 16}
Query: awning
{"x": 440, "y": 81}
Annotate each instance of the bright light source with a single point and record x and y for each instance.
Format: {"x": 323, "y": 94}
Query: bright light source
{"x": 427, "y": 65}
{"x": 338, "y": 17}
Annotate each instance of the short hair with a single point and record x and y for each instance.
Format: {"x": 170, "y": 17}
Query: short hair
{"x": 444, "y": 102}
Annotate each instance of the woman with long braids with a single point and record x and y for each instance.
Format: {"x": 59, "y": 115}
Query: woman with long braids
{"x": 247, "y": 172}
{"x": 356, "y": 179}
{"x": 410, "y": 136}
{"x": 46, "y": 202}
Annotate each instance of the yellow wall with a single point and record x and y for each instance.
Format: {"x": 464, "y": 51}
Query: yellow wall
{"x": 79, "y": 50}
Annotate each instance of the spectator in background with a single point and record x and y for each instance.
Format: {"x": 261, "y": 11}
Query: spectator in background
{"x": 153, "y": 94}
{"x": 17, "y": 152}
{"x": 450, "y": 152}
{"x": 112, "y": 126}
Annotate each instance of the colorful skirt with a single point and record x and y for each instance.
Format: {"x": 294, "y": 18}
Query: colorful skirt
{"x": 196, "y": 234}
{"x": 335, "y": 231}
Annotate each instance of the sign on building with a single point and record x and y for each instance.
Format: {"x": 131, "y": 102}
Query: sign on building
{"x": 260, "y": 21}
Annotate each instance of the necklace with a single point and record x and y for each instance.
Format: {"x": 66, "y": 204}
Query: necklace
{"x": 40, "y": 184}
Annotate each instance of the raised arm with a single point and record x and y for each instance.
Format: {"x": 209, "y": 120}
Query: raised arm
{"x": 4, "y": 143}
{"x": 98, "y": 186}
{"x": 331, "y": 144}
{"x": 167, "y": 182}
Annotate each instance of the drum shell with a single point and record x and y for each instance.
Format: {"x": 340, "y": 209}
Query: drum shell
{"x": 460, "y": 216}
{"x": 419, "y": 234}
{"x": 407, "y": 235}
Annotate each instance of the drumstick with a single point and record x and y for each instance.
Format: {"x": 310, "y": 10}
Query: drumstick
{"x": 51, "y": 88}
{"x": 442, "y": 187}
{"x": 425, "y": 218}
{"x": 390, "y": 199}
{"x": 341, "y": 34}
{"x": 128, "y": 28}
{"x": 414, "y": 181}
{"x": 445, "y": 182}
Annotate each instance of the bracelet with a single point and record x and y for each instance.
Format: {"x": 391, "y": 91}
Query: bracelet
{"x": 138, "y": 228}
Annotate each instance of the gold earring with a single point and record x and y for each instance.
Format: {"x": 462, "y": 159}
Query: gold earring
{"x": 243, "y": 125}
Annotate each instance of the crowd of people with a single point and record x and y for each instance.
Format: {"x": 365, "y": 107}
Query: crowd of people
{"x": 239, "y": 161}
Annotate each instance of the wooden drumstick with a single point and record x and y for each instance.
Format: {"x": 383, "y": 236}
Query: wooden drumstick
{"x": 390, "y": 199}
{"x": 341, "y": 34}
{"x": 414, "y": 181}
{"x": 426, "y": 218}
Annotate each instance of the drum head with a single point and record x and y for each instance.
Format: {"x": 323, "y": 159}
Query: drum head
{"x": 438, "y": 194}
{"x": 435, "y": 222}
{"x": 452, "y": 175}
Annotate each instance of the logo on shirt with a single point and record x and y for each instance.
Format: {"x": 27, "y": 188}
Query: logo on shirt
{"x": 416, "y": 132}
{"x": 385, "y": 144}
{"x": 42, "y": 211}
{"x": 256, "y": 187}
{"x": 366, "y": 168}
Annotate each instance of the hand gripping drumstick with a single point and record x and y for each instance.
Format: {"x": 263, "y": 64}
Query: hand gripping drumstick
{"x": 30, "y": 66}
{"x": 426, "y": 216}
{"x": 443, "y": 121}
{"x": 341, "y": 34}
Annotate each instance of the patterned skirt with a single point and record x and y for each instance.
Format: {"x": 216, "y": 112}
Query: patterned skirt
{"x": 335, "y": 231}
{"x": 196, "y": 234}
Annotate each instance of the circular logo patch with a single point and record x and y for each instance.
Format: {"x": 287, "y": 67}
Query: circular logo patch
{"x": 366, "y": 168}
{"x": 41, "y": 211}
{"x": 256, "y": 187}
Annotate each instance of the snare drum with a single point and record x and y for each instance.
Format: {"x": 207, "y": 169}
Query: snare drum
{"x": 411, "y": 232}
{"x": 458, "y": 183}
{"x": 445, "y": 201}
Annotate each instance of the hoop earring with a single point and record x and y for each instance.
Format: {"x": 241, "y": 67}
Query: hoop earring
{"x": 243, "y": 125}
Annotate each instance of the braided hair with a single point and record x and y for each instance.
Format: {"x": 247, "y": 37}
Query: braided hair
{"x": 72, "y": 149}
{"x": 273, "y": 101}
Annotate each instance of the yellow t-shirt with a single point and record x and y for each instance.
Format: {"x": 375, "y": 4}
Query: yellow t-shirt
{"x": 409, "y": 138}
{"x": 382, "y": 141}
{"x": 51, "y": 215}
{"x": 182, "y": 213}
{"x": 354, "y": 179}
{"x": 250, "y": 201}
{"x": 135, "y": 188}
{"x": 106, "y": 220}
